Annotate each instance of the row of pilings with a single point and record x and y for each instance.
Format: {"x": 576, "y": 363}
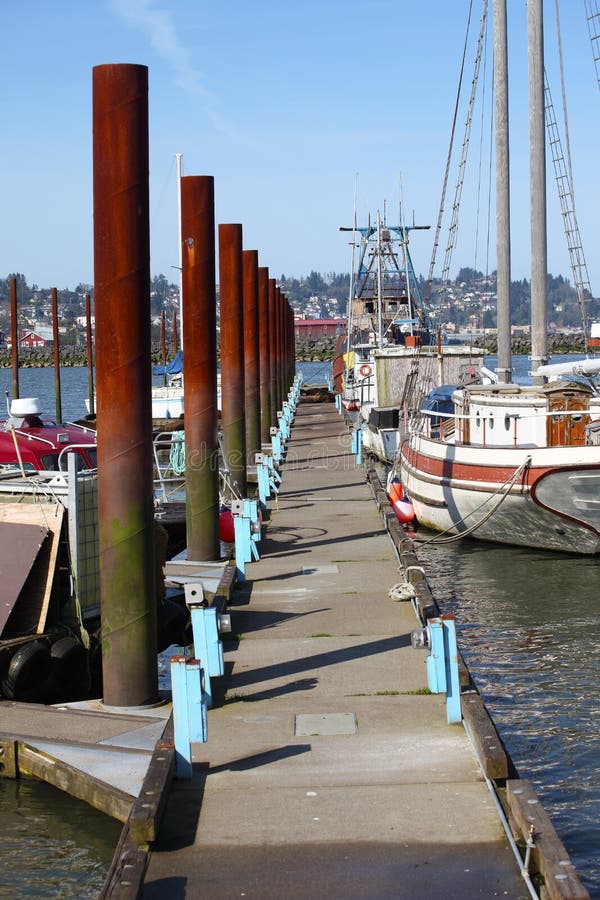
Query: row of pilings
{"x": 257, "y": 369}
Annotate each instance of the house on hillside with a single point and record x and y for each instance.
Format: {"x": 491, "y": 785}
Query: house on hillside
{"x": 40, "y": 338}
{"x": 314, "y": 329}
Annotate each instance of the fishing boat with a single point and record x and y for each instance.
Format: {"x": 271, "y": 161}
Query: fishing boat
{"x": 390, "y": 359}
{"x": 508, "y": 463}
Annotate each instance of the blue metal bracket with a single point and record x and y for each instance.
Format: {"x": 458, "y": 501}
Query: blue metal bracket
{"x": 276, "y": 444}
{"x": 264, "y": 480}
{"x": 357, "y": 443}
{"x": 246, "y": 526}
{"x": 205, "y": 630}
{"x": 284, "y": 428}
{"x": 442, "y": 664}
{"x": 189, "y": 710}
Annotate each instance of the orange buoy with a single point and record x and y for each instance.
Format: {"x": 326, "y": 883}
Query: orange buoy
{"x": 395, "y": 491}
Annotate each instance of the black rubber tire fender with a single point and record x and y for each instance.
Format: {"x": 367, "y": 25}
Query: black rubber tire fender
{"x": 27, "y": 672}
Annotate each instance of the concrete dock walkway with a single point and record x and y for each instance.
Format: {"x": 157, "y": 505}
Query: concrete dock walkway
{"x": 329, "y": 771}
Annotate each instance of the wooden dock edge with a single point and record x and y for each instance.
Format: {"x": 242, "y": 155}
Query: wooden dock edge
{"x": 125, "y": 876}
{"x": 550, "y": 861}
{"x": 548, "y": 854}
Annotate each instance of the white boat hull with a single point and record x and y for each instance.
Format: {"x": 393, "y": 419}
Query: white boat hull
{"x": 553, "y": 502}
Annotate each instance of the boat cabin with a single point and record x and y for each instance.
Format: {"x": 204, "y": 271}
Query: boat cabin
{"x": 30, "y": 443}
{"x": 558, "y": 414}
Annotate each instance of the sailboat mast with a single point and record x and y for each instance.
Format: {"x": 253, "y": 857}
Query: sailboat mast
{"x": 537, "y": 137}
{"x": 379, "y": 287}
{"x": 178, "y": 157}
{"x": 502, "y": 191}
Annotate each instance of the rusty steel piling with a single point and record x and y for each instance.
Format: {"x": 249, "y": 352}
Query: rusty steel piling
{"x": 251, "y": 353}
{"x": 233, "y": 415}
{"x": 56, "y": 354}
{"x": 200, "y": 366}
{"x": 273, "y": 349}
{"x": 264, "y": 355}
{"x": 14, "y": 330}
{"x": 123, "y": 369}
{"x": 163, "y": 345}
{"x": 90, "y": 354}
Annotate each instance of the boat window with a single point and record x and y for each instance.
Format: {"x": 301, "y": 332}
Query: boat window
{"x": 50, "y": 462}
{"x": 491, "y": 421}
{"x": 576, "y": 417}
{"x": 478, "y": 421}
{"x": 507, "y": 422}
{"x": 15, "y": 464}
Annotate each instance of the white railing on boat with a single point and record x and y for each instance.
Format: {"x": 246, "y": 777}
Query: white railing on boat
{"x": 451, "y": 427}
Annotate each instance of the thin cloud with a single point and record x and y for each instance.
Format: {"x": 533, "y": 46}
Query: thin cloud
{"x": 159, "y": 28}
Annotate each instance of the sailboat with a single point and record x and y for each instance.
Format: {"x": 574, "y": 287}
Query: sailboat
{"x": 390, "y": 355}
{"x": 503, "y": 462}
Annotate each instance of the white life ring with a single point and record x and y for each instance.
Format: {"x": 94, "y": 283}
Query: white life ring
{"x": 365, "y": 370}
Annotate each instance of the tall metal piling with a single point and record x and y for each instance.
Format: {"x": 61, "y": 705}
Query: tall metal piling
{"x": 291, "y": 350}
{"x": 14, "y": 331}
{"x": 264, "y": 355}
{"x": 278, "y": 347}
{"x": 233, "y": 414}
{"x": 90, "y": 354}
{"x": 199, "y": 343}
{"x": 163, "y": 345}
{"x": 251, "y": 353}
{"x": 281, "y": 345}
{"x": 123, "y": 369}
{"x": 56, "y": 354}
{"x": 273, "y": 349}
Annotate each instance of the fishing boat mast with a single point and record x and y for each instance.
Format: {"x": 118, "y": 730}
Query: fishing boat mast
{"x": 504, "y": 370}
{"x": 537, "y": 137}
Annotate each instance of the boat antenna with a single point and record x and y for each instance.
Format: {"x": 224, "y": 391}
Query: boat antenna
{"x": 351, "y": 289}
{"x": 379, "y": 284}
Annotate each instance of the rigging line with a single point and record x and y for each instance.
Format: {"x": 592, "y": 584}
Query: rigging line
{"x": 489, "y": 213}
{"x": 483, "y": 99}
{"x": 593, "y": 21}
{"x": 438, "y": 227}
{"x": 453, "y": 231}
{"x": 565, "y": 194}
{"x": 564, "y": 97}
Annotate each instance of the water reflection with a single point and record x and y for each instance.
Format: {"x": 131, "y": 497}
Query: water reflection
{"x": 52, "y": 845}
{"x": 527, "y": 624}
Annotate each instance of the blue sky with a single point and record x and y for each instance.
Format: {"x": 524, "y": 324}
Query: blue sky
{"x": 285, "y": 104}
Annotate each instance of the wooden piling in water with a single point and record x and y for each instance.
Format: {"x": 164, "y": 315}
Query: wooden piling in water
{"x": 123, "y": 368}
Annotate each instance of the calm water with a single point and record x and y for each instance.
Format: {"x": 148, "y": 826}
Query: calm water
{"x": 528, "y": 626}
